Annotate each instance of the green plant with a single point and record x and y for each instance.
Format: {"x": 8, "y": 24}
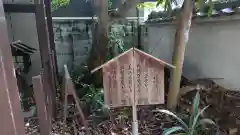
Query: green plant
{"x": 81, "y": 76}
{"x": 196, "y": 124}
{"x": 117, "y": 43}
{"x": 91, "y": 95}
{"x": 93, "y": 98}
{"x": 59, "y": 3}
{"x": 149, "y": 5}
{"x": 110, "y": 3}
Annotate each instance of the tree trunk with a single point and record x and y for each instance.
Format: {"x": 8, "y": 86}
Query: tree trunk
{"x": 99, "y": 50}
{"x": 181, "y": 39}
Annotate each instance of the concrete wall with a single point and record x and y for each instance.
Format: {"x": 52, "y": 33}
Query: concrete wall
{"x": 73, "y": 42}
{"x": 212, "y": 51}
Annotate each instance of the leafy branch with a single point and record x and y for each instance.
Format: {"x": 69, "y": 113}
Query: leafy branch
{"x": 59, "y": 3}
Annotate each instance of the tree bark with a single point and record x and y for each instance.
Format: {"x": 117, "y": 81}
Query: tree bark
{"x": 99, "y": 50}
{"x": 181, "y": 40}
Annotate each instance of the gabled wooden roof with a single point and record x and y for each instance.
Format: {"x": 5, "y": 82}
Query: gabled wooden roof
{"x": 130, "y": 51}
{"x": 18, "y": 46}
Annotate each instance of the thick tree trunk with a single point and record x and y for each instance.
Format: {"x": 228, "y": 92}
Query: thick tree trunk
{"x": 181, "y": 40}
{"x": 99, "y": 50}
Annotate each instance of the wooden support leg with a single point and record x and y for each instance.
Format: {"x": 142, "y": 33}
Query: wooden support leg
{"x": 75, "y": 128}
{"x": 65, "y": 113}
{"x": 70, "y": 91}
{"x": 84, "y": 121}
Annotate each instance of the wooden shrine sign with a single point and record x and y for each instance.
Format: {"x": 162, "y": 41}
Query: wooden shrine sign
{"x": 133, "y": 76}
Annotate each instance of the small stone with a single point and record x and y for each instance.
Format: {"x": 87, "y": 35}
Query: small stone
{"x": 27, "y": 124}
{"x": 112, "y": 133}
{"x": 233, "y": 131}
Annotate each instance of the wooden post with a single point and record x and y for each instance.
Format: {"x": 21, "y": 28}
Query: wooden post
{"x": 7, "y": 124}
{"x": 12, "y": 122}
{"x": 70, "y": 91}
{"x": 134, "y": 104}
{"x": 65, "y": 113}
{"x": 46, "y": 59}
{"x": 42, "y": 112}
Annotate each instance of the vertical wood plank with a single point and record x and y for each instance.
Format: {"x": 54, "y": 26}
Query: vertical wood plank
{"x": 106, "y": 88}
{"x": 137, "y": 77}
{"x": 111, "y": 97}
{"x": 43, "y": 118}
{"x": 124, "y": 63}
{"x": 157, "y": 92}
{"x": 128, "y": 80}
{"x": 48, "y": 79}
{"x": 156, "y": 86}
{"x": 145, "y": 76}
{"x": 117, "y": 80}
{"x": 114, "y": 84}
{"x": 150, "y": 83}
{"x": 122, "y": 79}
{"x": 161, "y": 85}
{"x": 10, "y": 91}
{"x": 7, "y": 125}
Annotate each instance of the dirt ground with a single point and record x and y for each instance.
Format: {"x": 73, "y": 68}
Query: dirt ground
{"x": 224, "y": 110}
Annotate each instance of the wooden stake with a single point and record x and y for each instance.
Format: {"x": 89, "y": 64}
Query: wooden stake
{"x": 135, "y": 121}
{"x": 65, "y": 113}
{"x": 75, "y": 128}
{"x": 70, "y": 91}
{"x": 134, "y": 105}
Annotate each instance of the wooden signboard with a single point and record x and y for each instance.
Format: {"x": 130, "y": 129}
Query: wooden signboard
{"x": 133, "y": 76}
